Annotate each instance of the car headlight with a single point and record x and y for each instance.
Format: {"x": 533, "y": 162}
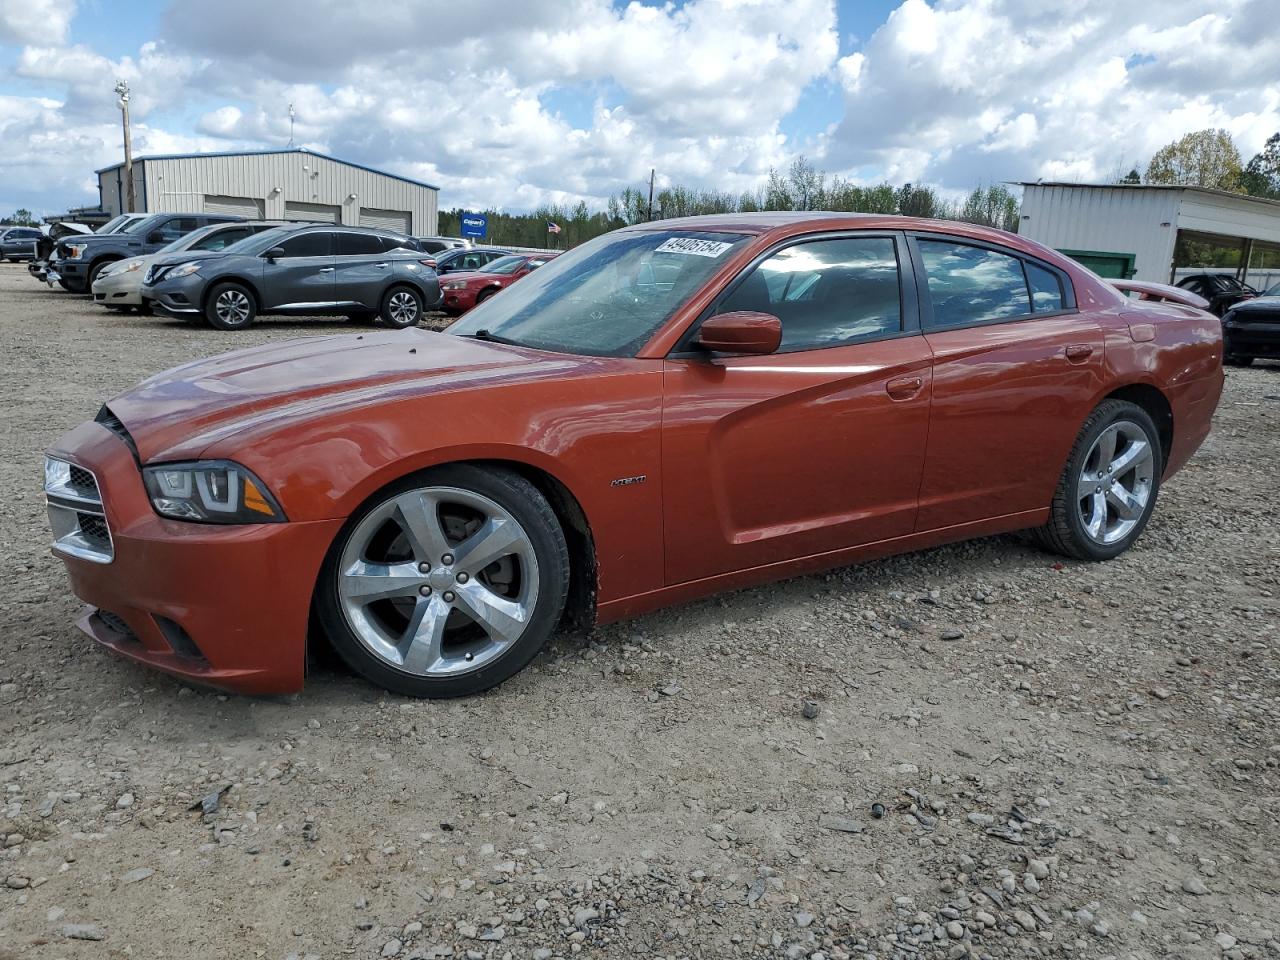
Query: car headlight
{"x": 455, "y": 286}
{"x": 76, "y": 250}
{"x": 210, "y": 491}
{"x": 129, "y": 266}
{"x": 183, "y": 270}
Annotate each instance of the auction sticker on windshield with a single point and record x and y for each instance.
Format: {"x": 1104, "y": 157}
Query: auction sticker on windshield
{"x": 689, "y": 245}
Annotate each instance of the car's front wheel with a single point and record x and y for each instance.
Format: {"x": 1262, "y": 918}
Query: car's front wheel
{"x": 401, "y": 307}
{"x": 447, "y": 583}
{"x": 1108, "y": 489}
{"x": 230, "y": 307}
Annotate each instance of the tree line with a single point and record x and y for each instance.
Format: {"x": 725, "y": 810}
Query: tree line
{"x": 802, "y": 187}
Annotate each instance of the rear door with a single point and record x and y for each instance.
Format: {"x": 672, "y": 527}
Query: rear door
{"x": 817, "y": 447}
{"x": 304, "y": 275}
{"x": 363, "y": 268}
{"x": 1016, "y": 367}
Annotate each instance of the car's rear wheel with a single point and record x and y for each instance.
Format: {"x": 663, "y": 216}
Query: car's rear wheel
{"x": 401, "y": 307}
{"x": 1109, "y": 486}
{"x": 230, "y": 306}
{"x": 447, "y": 583}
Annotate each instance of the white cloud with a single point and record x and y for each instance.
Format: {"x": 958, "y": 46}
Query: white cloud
{"x": 35, "y": 21}
{"x": 557, "y": 100}
{"x": 987, "y": 90}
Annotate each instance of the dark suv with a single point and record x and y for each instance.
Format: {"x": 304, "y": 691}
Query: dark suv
{"x": 77, "y": 260}
{"x": 298, "y": 269}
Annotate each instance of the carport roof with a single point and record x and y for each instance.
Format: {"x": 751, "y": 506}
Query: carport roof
{"x": 1208, "y": 191}
{"x": 259, "y": 153}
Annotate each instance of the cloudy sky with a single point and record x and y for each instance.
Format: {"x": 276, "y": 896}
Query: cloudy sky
{"x": 513, "y": 104}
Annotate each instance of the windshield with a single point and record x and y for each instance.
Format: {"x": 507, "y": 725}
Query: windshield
{"x": 259, "y": 242}
{"x": 607, "y": 297}
{"x": 140, "y": 226}
{"x": 111, "y": 225}
{"x": 504, "y": 265}
{"x": 1273, "y": 291}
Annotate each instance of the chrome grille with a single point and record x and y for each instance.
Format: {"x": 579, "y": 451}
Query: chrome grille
{"x": 76, "y": 514}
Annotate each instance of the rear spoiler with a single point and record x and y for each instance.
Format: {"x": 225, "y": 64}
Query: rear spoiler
{"x": 1146, "y": 290}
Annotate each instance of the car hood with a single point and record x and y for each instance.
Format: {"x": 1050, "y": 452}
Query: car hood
{"x": 181, "y": 412}
{"x": 477, "y": 275}
{"x": 1257, "y": 305}
{"x": 184, "y": 256}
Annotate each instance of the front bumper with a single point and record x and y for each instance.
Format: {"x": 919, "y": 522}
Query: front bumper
{"x": 119, "y": 289}
{"x": 226, "y": 606}
{"x": 177, "y": 298}
{"x": 1257, "y": 338}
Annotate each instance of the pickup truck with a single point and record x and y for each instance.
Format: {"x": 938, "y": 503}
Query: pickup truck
{"x": 78, "y": 259}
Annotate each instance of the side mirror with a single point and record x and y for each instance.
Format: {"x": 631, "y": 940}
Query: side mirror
{"x": 155, "y": 236}
{"x": 743, "y": 331}
{"x": 274, "y": 253}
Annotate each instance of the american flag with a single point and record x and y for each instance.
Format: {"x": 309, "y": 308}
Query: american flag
{"x": 553, "y": 227}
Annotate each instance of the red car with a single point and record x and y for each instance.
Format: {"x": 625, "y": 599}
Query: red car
{"x": 464, "y": 289}
{"x": 673, "y": 409}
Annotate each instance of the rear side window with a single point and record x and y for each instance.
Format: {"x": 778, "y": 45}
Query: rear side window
{"x": 360, "y": 245}
{"x": 1046, "y": 289}
{"x": 309, "y": 245}
{"x": 972, "y": 284}
{"x": 826, "y": 293}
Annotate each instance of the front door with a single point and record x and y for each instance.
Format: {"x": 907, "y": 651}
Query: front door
{"x": 1016, "y": 368}
{"x": 817, "y": 447}
{"x": 302, "y": 276}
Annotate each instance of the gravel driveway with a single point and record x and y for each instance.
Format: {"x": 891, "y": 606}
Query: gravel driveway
{"x": 1068, "y": 759}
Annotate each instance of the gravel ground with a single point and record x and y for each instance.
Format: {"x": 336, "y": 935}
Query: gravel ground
{"x": 972, "y": 751}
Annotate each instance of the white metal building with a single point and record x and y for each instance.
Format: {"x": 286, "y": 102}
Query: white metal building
{"x": 292, "y": 184}
{"x": 1130, "y": 230}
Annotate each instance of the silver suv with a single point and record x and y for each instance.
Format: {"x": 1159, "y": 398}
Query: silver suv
{"x": 297, "y": 269}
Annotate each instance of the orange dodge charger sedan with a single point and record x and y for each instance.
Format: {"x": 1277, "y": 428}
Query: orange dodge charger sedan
{"x": 673, "y": 409}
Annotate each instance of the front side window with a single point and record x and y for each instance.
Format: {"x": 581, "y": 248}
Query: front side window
{"x": 972, "y": 284}
{"x": 599, "y": 299}
{"x": 319, "y": 244}
{"x": 825, "y": 292}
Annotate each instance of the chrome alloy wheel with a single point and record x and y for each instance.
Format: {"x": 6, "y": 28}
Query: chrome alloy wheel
{"x": 403, "y": 307}
{"x": 438, "y": 581}
{"x": 1115, "y": 485}
{"x": 232, "y": 307}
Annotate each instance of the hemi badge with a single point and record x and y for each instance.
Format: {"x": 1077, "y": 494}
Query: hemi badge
{"x": 627, "y": 481}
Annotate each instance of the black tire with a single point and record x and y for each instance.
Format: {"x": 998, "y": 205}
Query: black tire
{"x": 484, "y": 295}
{"x": 530, "y": 509}
{"x": 1065, "y": 532}
{"x": 94, "y": 270}
{"x": 1232, "y": 360}
{"x": 402, "y": 307}
{"x": 230, "y": 306}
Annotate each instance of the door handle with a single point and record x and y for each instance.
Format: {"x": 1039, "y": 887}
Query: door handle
{"x": 904, "y": 388}
{"x": 382, "y": 266}
{"x": 326, "y": 269}
{"x": 1079, "y": 352}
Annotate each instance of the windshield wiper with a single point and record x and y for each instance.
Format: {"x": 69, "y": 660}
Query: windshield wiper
{"x": 484, "y": 334}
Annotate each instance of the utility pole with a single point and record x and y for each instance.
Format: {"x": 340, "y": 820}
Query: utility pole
{"x": 652, "y": 171}
{"x": 291, "y": 124}
{"x": 122, "y": 91}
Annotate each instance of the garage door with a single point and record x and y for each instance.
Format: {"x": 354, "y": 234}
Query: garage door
{"x": 320, "y": 212}
{"x": 397, "y": 221}
{"x": 240, "y": 206}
